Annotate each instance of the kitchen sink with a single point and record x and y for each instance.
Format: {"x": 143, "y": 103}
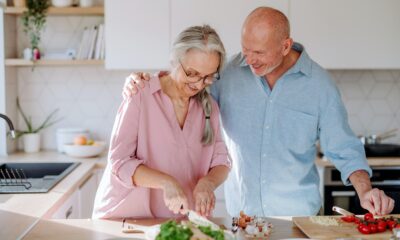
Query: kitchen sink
{"x": 33, "y": 177}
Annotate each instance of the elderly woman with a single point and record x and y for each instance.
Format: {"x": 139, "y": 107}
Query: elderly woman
{"x": 167, "y": 155}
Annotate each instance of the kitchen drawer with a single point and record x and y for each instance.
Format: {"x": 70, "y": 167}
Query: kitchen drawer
{"x": 70, "y": 208}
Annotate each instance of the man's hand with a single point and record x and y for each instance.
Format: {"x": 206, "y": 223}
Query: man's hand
{"x": 377, "y": 202}
{"x": 132, "y": 82}
{"x": 204, "y": 197}
{"x": 373, "y": 200}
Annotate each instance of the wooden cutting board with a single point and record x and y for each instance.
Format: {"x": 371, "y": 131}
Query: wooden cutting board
{"x": 345, "y": 230}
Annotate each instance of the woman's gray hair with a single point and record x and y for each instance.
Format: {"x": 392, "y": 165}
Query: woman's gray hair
{"x": 203, "y": 38}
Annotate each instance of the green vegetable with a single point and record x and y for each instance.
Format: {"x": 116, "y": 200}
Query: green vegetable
{"x": 173, "y": 231}
{"x": 217, "y": 235}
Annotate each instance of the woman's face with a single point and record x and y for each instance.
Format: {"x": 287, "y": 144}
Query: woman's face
{"x": 195, "y": 71}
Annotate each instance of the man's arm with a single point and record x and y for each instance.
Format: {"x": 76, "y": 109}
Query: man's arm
{"x": 372, "y": 199}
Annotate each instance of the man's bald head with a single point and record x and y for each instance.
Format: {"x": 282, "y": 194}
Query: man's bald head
{"x": 269, "y": 19}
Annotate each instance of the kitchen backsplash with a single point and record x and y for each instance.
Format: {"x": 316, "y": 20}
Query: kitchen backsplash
{"x": 88, "y": 97}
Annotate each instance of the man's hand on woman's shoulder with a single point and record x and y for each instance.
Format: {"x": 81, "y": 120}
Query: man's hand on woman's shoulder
{"x": 135, "y": 81}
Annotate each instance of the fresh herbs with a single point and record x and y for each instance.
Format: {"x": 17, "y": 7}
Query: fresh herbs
{"x": 173, "y": 231}
{"x": 217, "y": 235}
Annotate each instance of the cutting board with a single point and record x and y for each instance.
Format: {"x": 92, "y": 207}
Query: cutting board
{"x": 345, "y": 230}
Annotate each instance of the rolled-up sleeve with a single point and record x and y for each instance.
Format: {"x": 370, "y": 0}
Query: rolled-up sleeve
{"x": 122, "y": 154}
{"x": 220, "y": 153}
{"x": 338, "y": 141}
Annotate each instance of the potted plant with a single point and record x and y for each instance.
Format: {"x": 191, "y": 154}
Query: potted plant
{"x": 34, "y": 20}
{"x": 31, "y": 136}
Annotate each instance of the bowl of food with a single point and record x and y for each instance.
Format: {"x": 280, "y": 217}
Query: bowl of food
{"x": 84, "y": 148}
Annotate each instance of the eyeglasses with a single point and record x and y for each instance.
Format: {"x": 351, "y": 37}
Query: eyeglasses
{"x": 195, "y": 78}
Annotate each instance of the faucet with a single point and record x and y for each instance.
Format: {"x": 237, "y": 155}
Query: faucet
{"x": 12, "y": 131}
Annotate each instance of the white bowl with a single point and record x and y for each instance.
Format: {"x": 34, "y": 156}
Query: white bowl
{"x": 62, "y": 3}
{"x": 84, "y": 151}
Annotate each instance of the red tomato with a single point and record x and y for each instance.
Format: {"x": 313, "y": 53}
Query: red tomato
{"x": 397, "y": 225}
{"x": 391, "y": 224}
{"x": 381, "y": 226}
{"x": 364, "y": 229}
{"x": 349, "y": 218}
{"x": 373, "y": 228}
{"x": 368, "y": 216}
{"x": 357, "y": 220}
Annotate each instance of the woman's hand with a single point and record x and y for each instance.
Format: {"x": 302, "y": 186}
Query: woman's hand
{"x": 204, "y": 197}
{"x": 174, "y": 197}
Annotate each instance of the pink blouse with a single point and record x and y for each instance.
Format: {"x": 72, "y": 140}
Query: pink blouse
{"x": 146, "y": 131}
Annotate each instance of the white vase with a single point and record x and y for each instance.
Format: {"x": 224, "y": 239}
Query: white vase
{"x": 31, "y": 142}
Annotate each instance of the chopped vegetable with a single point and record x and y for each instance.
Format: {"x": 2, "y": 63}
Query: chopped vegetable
{"x": 217, "y": 235}
{"x": 173, "y": 231}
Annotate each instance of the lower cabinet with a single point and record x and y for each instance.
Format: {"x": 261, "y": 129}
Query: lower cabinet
{"x": 80, "y": 203}
{"x": 69, "y": 209}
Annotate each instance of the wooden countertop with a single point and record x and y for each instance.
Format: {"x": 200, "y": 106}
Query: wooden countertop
{"x": 22, "y": 211}
{"x": 375, "y": 161}
{"x": 112, "y": 229}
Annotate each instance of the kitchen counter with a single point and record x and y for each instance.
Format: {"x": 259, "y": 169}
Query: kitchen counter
{"x": 20, "y": 212}
{"x": 111, "y": 229}
{"x": 374, "y": 161}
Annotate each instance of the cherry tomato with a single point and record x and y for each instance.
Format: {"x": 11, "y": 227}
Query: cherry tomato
{"x": 391, "y": 224}
{"x": 364, "y": 229}
{"x": 373, "y": 228}
{"x": 357, "y": 220}
{"x": 381, "y": 226}
{"x": 368, "y": 216}
{"x": 349, "y": 218}
{"x": 397, "y": 225}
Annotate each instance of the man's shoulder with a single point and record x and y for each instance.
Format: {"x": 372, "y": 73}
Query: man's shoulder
{"x": 235, "y": 60}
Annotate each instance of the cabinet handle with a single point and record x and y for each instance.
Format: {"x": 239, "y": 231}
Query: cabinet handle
{"x": 68, "y": 213}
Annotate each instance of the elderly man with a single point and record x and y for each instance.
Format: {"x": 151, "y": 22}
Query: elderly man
{"x": 275, "y": 104}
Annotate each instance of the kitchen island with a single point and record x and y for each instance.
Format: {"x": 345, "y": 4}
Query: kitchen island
{"x": 29, "y": 216}
{"x": 112, "y": 229}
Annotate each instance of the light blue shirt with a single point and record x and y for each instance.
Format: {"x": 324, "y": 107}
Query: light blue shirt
{"x": 271, "y": 137}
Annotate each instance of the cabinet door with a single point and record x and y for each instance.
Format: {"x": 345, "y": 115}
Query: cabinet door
{"x": 69, "y": 209}
{"x": 87, "y": 193}
{"x": 348, "y": 34}
{"x": 225, "y": 16}
{"x": 137, "y": 34}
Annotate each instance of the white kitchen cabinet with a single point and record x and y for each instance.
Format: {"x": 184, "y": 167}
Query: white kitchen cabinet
{"x": 226, "y": 16}
{"x": 87, "y": 193}
{"x": 348, "y": 34}
{"x": 137, "y": 34}
{"x": 69, "y": 209}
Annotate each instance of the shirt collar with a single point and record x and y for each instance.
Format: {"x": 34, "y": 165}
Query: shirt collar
{"x": 303, "y": 64}
{"x": 155, "y": 85}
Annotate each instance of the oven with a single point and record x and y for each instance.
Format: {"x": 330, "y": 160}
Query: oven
{"x": 336, "y": 194}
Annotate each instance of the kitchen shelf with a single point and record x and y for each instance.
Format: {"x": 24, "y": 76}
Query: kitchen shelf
{"x": 99, "y": 10}
{"x": 14, "y": 62}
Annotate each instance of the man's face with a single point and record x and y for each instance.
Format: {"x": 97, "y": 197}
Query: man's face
{"x": 262, "y": 51}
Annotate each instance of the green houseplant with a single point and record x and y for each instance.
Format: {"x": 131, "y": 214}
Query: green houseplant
{"x": 31, "y": 136}
{"x": 34, "y": 20}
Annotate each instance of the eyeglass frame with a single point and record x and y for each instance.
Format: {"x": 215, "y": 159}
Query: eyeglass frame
{"x": 201, "y": 78}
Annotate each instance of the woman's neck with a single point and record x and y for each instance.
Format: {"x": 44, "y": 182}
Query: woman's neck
{"x": 169, "y": 87}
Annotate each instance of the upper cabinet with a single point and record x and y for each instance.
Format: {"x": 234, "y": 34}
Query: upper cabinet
{"x": 348, "y": 34}
{"x": 137, "y": 34}
{"x": 340, "y": 34}
{"x": 226, "y": 16}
